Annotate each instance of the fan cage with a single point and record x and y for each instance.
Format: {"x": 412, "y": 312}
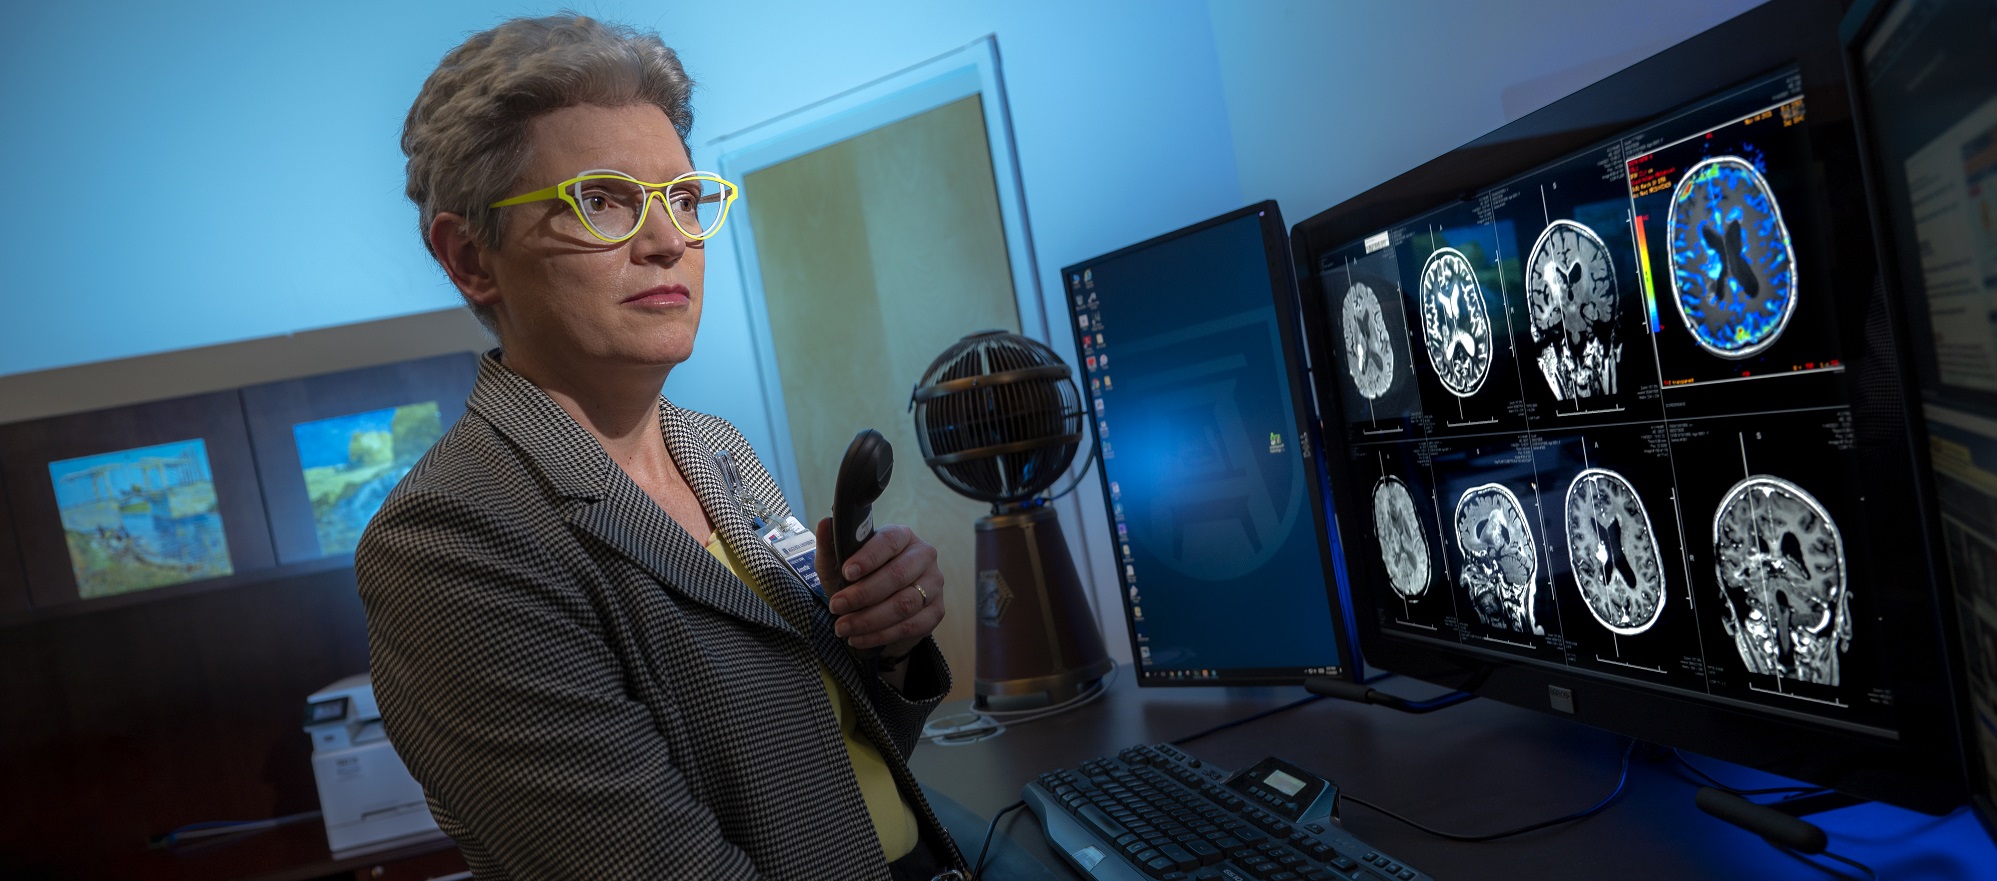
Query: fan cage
{"x": 999, "y": 417}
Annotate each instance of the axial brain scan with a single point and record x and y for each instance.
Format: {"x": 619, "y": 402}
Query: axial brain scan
{"x": 1782, "y": 577}
{"x": 1454, "y": 322}
{"x": 1403, "y": 546}
{"x": 1616, "y": 562}
{"x": 1731, "y": 263}
{"x": 1369, "y": 357}
{"x": 1571, "y": 293}
{"x": 1500, "y": 558}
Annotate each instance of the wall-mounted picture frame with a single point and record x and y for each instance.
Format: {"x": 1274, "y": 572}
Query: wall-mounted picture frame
{"x": 331, "y": 447}
{"x": 135, "y": 500}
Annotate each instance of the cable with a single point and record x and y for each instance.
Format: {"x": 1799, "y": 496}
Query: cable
{"x": 994, "y": 721}
{"x": 979, "y": 866}
{"x": 1621, "y": 781}
{"x": 1832, "y": 871}
{"x": 1246, "y": 719}
{"x": 214, "y": 828}
{"x": 1716, "y": 784}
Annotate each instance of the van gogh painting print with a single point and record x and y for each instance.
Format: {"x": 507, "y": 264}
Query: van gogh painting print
{"x": 351, "y": 462}
{"x": 140, "y": 518}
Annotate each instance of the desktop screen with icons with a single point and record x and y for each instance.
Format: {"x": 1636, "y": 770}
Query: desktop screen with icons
{"x": 1209, "y": 476}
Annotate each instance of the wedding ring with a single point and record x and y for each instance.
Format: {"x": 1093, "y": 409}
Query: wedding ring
{"x": 925, "y": 594}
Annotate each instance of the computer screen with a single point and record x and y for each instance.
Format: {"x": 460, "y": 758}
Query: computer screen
{"x": 1612, "y": 412}
{"x": 1926, "y": 77}
{"x": 1209, "y": 477}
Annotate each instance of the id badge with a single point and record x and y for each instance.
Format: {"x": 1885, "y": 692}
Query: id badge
{"x": 798, "y": 547}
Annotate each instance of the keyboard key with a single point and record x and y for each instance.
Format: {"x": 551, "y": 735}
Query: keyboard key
{"x": 1343, "y": 863}
{"x": 1108, "y": 829}
{"x": 1182, "y": 858}
{"x": 1284, "y": 876}
{"x": 1206, "y": 853}
{"x": 1159, "y": 867}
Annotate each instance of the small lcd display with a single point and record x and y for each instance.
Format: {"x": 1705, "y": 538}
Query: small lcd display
{"x": 1283, "y": 783}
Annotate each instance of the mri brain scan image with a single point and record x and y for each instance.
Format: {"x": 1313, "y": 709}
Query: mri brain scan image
{"x": 1454, "y": 322}
{"x": 1616, "y": 562}
{"x": 1732, "y": 267}
{"x": 1571, "y": 293}
{"x": 1403, "y": 545}
{"x": 1369, "y": 357}
{"x": 1500, "y": 558}
{"x": 1782, "y": 579}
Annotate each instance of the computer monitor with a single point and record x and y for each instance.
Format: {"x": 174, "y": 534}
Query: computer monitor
{"x": 1211, "y": 481}
{"x": 1617, "y": 422}
{"x": 1925, "y": 80}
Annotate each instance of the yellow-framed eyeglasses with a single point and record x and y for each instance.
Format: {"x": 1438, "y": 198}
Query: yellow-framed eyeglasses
{"x": 613, "y": 205}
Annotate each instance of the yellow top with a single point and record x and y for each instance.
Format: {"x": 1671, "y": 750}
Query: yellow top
{"x": 894, "y": 820}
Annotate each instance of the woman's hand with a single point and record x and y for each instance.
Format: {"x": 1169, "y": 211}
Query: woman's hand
{"x": 894, "y": 593}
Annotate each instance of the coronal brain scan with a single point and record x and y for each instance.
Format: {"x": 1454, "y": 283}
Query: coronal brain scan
{"x": 1454, "y": 322}
{"x": 1616, "y": 562}
{"x": 1571, "y": 295}
{"x": 1403, "y": 545}
{"x": 1500, "y": 558}
{"x": 1782, "y": 579}
{"x": 1731, "y": 260}
{"x": 1369, "y": 357}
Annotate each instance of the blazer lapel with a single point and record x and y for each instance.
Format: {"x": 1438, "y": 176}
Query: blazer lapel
{"x": 693, "y": 451}
{"x": 601, "y": 501}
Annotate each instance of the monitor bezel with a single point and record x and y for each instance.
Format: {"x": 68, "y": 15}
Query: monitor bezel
{"x": 1916, "y": 769}
{"x": 1859, "y": 24}
{"x": 1276, "y": 254}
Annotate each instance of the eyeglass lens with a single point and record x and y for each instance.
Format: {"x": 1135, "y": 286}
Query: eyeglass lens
{"x": 613, "y": 206}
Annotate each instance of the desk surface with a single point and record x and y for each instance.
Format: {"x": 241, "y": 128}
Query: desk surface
{"x": 1474, "y": 767}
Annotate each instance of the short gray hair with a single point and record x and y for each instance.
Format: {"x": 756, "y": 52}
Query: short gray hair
{"x": 466, "y": 135}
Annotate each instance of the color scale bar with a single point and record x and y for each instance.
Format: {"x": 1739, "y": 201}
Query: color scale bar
{"x": 1643, "y": 258}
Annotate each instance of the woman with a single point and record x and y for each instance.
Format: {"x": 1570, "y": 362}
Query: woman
{"x": 581, "y": 643}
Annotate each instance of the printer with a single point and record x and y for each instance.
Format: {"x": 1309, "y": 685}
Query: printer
{"x": 366, "y": 795}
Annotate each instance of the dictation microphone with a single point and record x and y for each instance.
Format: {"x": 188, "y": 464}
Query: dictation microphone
{"x": 1777, "y": 827}
{"x": 863, "y": 475}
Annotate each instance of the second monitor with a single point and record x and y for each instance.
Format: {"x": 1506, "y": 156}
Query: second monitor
{"x": 1212, "y": 484}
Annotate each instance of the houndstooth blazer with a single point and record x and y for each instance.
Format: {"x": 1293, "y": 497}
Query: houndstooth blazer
{"x": 586, "y": 693}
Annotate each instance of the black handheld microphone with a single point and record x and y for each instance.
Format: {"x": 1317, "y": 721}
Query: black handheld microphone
{"x": 863, "y": 475}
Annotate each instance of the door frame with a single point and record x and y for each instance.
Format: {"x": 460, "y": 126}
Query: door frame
{"x": 971, "y": 69}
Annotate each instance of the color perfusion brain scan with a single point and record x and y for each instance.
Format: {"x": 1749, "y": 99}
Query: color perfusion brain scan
{"x": 1731, "y": 264}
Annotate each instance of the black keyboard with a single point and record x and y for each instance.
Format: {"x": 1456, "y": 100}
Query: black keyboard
{"x": 1156, "y": 812}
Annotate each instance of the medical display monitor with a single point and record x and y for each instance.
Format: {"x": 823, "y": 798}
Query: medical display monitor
{"x": 1625, "y": 412}
{"x": 1210, "y": 478}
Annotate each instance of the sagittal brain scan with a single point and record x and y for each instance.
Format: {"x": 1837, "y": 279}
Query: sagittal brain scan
{"x": 1571, "y": 294}
{"x": 1782, "y": 576}
{"x": 1403, "y": 545}
{"x": 1731, "y": 260}
{"x": 1369, "y": 357}
{"x": 1454, "y": 322}
{"x": 1500, "y": 558}
{"x": 1616, "y": 561}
